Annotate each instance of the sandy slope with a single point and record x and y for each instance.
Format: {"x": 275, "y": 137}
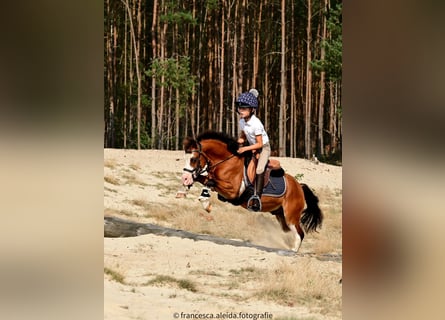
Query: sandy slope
{"x": 217, "y": 271}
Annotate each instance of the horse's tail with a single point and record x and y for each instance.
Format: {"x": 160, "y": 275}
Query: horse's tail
{"x": 312, "y": 216}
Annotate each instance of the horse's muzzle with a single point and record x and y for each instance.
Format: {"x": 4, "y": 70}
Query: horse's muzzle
{"x": 187, "y": 179}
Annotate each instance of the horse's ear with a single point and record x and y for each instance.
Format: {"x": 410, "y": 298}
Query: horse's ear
{"x": 189, "y": 144}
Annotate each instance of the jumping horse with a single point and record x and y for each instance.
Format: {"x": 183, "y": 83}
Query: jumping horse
{"x": 216, "y": 163}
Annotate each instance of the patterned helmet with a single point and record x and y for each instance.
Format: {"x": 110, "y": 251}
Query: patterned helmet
{"x": 248, "y": 99}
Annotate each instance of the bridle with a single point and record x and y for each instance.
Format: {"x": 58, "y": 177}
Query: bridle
{"x": 208, "y": 167}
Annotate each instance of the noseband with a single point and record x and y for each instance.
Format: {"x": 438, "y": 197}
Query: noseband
{"x": 209, "y": 167}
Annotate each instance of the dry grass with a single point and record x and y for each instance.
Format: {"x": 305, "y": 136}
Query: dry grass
{"x": 167, "y": 189}
{"x": 110, "y": 163}
{"x": 225, "y": 220}
{"x": 180, "y": 283}
{"x": 115, "y": 275}
{"x": 233, "y": 222}
{"x": 135, "y": 166}
{"x": 205, "y": 273}
{"x": 113, "y": 212}
{"x": 329, "y": 239}
{"x": 246, "y": 278}
{"x": 133, "y": 179}
{"x": 110, "y": 190}
{"x": 290, "y": 283}
{"x": 112, "y": 180}
{"x": 159, "y": 212}
{"x": 301, "y": 283}
{"x": 140, "y": 202}
{"x": 229, "y": 221}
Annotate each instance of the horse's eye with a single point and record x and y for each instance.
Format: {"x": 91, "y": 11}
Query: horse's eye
{"x": 194, "y": 160}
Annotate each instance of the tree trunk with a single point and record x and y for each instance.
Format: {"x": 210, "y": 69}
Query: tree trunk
{"x": 125, "y": 82}
{"x": 162, "y": 94}
{"x": 332, "y": 120}
{"x": 256, "y": 43}
{"x": 109, "y": 142}
{"x": 235, "y": 90}
{"x": 177, "y": 105}
{"x": 321, "y": 151}
{"x": 138, "y": 75}
{"x": 221, "y": 70}
{"x": 292, "y": 85}
{"x": 240, "y": 67}
{"x": 282, "y": 115}
{"x": 307, "y": 131}
{"x": 153, "y": 78}
{"x": 236, "y": 46}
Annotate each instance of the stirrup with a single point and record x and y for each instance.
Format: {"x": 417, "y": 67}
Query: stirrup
{"x": 249, "y": 203}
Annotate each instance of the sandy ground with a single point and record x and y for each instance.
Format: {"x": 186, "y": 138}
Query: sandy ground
{"x": 225, "y": 279}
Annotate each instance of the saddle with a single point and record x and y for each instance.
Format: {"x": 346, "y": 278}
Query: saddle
{"x": 274, "y": 182}
{"x": 273, "y": 167}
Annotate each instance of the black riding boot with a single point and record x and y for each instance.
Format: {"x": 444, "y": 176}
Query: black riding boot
{"x": 256, "y": 201}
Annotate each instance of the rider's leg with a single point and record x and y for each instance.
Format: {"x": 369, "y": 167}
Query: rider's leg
{"x": 256, "y": 201}
{"x": 259, "y": 180}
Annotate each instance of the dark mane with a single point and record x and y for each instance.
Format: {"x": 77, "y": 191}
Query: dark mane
{"x": 232, "y": 144}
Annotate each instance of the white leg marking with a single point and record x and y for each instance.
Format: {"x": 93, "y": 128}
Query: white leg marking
{"x": 297, "y": 238}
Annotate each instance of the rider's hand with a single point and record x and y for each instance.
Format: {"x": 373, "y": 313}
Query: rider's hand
{"x": 241, "y": 150}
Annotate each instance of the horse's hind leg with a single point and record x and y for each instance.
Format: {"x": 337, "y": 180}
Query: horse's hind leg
{"x": 279, "y": 214}
{"x": 293, "y": 226}
{"x": 299, "y": 235}
{"x": 292, "y": 213}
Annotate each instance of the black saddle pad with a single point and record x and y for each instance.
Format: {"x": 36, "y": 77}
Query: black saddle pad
{"x": 276, "y": 187}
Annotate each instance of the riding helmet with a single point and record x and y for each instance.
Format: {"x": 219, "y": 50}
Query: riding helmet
{"x": 248, "y": 99}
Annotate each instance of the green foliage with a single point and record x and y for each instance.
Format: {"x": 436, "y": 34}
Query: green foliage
{"x": 133, "y": 138}
{"x": 145, "y": 100}
{"x": 180, "y": 18}
{"x": 175, "y": 73}
{"x": 333, "y": 158}
{"x": 173, "y": 16}
{"x": 212, "y": 4}
{"x": 332, "y": 64}
{"x": 191, "y": 34}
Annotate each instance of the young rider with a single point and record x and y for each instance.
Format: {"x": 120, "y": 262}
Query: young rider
{"x": 252, "y": 130}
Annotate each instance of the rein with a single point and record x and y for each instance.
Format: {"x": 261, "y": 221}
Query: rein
{"x": 214, "y": 165}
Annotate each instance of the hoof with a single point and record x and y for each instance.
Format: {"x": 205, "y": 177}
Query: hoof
{"x": 181, "y": 194}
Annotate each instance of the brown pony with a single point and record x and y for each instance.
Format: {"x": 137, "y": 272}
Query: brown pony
{"x": 215, "y": 163}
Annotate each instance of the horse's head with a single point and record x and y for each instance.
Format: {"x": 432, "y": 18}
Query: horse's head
{"x": 206, "y": 153}
{"x": 195, "y": 163}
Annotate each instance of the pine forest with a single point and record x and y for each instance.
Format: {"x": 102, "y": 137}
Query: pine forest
{"x": 175, "y": 68}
